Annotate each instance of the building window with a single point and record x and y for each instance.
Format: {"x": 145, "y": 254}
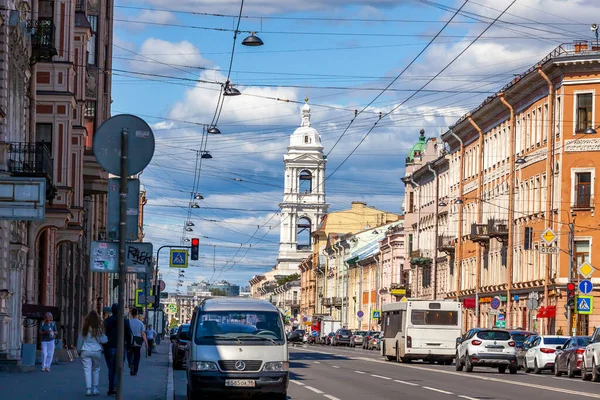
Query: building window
{"x": 91, "y": 45}
{"x": 584, "y": 111}
{"x": 583, "y": 189}
{"x": 305, "y": 185}
{"x": 582, "y": 251}
{"x": 303, "y": 234}
{"x": 90, "y": 109}
{"x": 43, "y": 134}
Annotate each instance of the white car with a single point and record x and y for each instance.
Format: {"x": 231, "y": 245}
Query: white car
{"x": 590, "y": 368}
{"x": 486, "y": 348}
{"x": 542, "y": 353}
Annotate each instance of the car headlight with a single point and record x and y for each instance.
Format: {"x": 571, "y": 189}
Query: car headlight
{"x": 203, "y": 366}
{"x": 277, "y": 366}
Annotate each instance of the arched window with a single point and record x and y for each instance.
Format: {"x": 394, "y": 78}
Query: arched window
{"x": 303, "y": 234}
{"x": 306, "y": 139}
{"x": 305, "y": 184}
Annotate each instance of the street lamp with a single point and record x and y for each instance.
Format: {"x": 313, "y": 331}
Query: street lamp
{"x": 442, "y": 203}
{"x": 189, "y": 229}
{"x": 458, "y": 201}
{"x": 591, "y": 130}
{"x": 199, "y": 197}
{"x": 190, "y": 223}
{"x": 229, "y": 90}
{"x": 520, "y": 160}
{"x": 213, "y": 130}
{"x": 195, "y": 205}
{"x": 206, "y": 155}
{"x": 252, "y": 40}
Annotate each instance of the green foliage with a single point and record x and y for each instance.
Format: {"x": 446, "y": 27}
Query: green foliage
{"x": 218, "y": 292}
{"x": 289, "y": 278}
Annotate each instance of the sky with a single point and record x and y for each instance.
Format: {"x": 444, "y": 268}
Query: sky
{"x": 420, "y": 64}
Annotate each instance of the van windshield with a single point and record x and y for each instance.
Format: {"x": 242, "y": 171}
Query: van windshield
{"x": 235, "y": 327}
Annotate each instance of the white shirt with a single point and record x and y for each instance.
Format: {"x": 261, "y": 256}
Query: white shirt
{"x": 88, "y": 343}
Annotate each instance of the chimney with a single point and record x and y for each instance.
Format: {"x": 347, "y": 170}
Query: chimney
{"x": 358, "y": 204}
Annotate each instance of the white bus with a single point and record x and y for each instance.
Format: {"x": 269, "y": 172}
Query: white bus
{"x": 421, "y": 330}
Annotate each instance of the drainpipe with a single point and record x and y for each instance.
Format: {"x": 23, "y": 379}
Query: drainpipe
{"x": 377, "y": 286}
{"x": 511, "y": 210}
{"x": 435, "y": 232}
{"x": 479, "y": 219}
{"x": 549, "y": 212}
{"x": 337, "y": 273}
{"x": 415, "y": 185}
{"x": 458, "y": 256}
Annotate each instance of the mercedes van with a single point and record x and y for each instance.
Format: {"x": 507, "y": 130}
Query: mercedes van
{"x": 237, "y": 346}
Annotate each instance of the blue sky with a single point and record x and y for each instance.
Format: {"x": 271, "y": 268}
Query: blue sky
{"x": 339, "y": 54}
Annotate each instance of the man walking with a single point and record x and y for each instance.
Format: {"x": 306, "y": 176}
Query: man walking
{"x": 150, "y": 335}
{"x": 138, "y": 333}
{"x": 110, "y": 348}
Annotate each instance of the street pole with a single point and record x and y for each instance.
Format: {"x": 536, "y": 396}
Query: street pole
{"x": 572, "y": 329}
{"x": 435, "y": 227}
{"x": 122, "y": 267}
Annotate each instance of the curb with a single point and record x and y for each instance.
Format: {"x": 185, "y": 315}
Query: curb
{"x": 170, "y": 386}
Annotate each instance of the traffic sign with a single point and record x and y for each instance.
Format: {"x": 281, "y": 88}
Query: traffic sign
{"x": 494, "y": 312}
{"x": 104, "y": 257}
{"x": 403, "y": 300}
{"x": 360, "y": 314}
{"x": 531, "y": 304}
{"x": 586, "y": 270}
{"x": 162, "y": 285}
{"x": 172, "y": 308}
{"x": 549, "y": 250}
{"x": 375, "y": 314}
{"x": 548, "y": 236}
{"x": 178, "y": 259}
{"x": 585, "y": 305}
{"x": 586, "y": 286}
{"x": 495, "y": 303}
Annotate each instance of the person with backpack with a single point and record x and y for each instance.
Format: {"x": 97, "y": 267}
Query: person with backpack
{"x": 48, "y": 333}
{"x": 89, "y": 346}
{"x": 110, "y": 348}
{"x": 138, "y": 333}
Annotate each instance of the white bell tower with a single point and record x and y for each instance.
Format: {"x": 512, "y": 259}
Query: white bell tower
{"x": 303, "y": 195}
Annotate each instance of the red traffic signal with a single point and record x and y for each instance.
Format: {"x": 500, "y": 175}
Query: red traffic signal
{"x": 570, "y": 286}
{"x": 195, "y": 244}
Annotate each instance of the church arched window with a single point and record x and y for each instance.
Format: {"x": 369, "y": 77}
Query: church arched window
{"x": 305, "y": 184}
{"x": 303, "y": 234}
{"x": 306, "y": 139}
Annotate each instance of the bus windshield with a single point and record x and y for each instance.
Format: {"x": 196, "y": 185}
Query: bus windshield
{"x": 235, "y": 327}
{"x": 434, "y": 317}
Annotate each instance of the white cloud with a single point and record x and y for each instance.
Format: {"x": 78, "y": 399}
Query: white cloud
{"x": 162, "y": 56}
{"x": 159, "y": 17}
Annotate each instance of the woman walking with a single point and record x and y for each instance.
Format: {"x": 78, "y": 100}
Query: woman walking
{"x": 89, "y": 346}
{"x": 48, "y": 333}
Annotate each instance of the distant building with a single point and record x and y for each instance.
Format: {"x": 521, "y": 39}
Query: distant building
{"x": 223, "y": 287}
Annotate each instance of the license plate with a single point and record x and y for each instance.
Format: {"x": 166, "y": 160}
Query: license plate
{"x": 496, "y": 350}
{"x": 240, "y": 383}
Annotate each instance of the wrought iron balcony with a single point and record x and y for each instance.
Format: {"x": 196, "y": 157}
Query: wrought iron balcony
{"x": 498, "y": 230}
{"x": 30, "y": 159}
{"x": 447, "y": 244}
{"x": 336, "y": 302}
{"x": 480, "y": 233}
{"x": 292, "y": 303}
{"x": 420, "y": 257}
{"x": 42, "y": 39}
{"x": 327, "y": 302}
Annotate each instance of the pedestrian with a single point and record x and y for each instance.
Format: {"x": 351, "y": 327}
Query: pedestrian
{"x": 89, "y": 345}
{"x": 110, "y": 348}
{"x": 150, "y": 335}
{"x": 48, "y": 333}
{"x": 138, "y": 333}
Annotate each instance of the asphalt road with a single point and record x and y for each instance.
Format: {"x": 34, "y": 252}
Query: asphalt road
{"x": 322, "y": 372}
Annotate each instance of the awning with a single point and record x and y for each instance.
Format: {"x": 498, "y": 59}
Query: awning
{"x": 469, "y": 302}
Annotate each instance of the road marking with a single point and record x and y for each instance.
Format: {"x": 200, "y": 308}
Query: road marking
{"x": 360, "y": 372}
{"x": 406, "y": 383}
{"x": 334, "y": 366}
{"x": 297, "y": 383}
{"x": 437, "y": 390}
{"x": 508, "y": 382}
{"x": 314, "y": 390}
{"x": 467, "y": 397}
{"x": 317, "y": 362}
{"x": 380, "y": 377}
{"x": 331, "y": 397}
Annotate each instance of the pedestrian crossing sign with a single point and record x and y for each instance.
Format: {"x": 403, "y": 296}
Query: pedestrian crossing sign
{"x": 178, "y": 259}
{"x": 585, "y": 305}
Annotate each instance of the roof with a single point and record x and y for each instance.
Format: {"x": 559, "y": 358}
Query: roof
{"x": 418, "y": 147}
{"x": 367, "y": 242}
{"x": 236, "y": 304}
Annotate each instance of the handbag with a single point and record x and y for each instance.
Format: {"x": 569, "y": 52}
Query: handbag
{"x": 137, "y": 341}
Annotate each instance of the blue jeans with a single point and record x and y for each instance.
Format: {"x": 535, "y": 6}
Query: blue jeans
{"x": 111, "y": 363}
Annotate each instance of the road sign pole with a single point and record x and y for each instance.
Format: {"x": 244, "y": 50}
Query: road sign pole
{"x": 572, "y": 329}
{"x": 122, "y": 267}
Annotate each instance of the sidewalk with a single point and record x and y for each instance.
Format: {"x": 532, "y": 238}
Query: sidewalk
{"x": 66, "y": 380}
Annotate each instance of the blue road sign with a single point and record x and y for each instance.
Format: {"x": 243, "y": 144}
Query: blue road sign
{"x": 375, "y": 314}
{"x": 586, "y": 286}
{"x": 178, "y": 259}
{"x": 495, "y": 304}
{"x": 585, "y": 304}
{"x": 360, "y": 314}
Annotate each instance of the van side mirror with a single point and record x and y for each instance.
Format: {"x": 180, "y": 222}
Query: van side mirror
{"x": 294, "y": 336}
{"x": 458, "y": 341}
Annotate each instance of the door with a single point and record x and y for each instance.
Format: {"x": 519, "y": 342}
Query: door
{"x": 563, "y": 354}
{"x": 531, "y": 353}
{"x": 594, "y": 344}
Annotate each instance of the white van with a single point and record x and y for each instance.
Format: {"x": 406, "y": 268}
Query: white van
{"x": 237, "y": 346}
{"x": 421, "y": 330}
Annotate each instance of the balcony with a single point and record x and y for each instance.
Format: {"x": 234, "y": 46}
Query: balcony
{"x": 32, "y": 160}
{"x": 337, "y": 302}
{"x": 498, "y": 230}
{"x": 480, "y": 233}
{"x": 327, "y": 302}
{"x": 42, "y": 40}
{"x": 447, "y": 244}
{"x": 420, "y": 257}
{"x": 292, "y": 303}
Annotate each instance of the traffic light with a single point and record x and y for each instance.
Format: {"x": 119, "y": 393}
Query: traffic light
{"x": 570, "y": 295}
{"x": 195, "y": 244}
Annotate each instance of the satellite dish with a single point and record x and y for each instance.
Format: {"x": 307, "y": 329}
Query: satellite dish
{"x": 107, "y": 144}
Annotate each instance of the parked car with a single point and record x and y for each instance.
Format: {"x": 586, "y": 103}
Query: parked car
{"x": 329, "y": 338}
{"x": 591, "y": 359}
{"x": 180, "y": 344}
{"x": 570, "y": 356}
{"x": 542, "y": 353}
{"x": 367, "y": 338}
{"x": 373, "y": 341}
{"x": 341, "y": 337}
{"x": 357, "y": 338}
{"x": 487, "y": 348}
{"x": 519, "y": 336}
{"x": 523, "y": 349}
{"x": 173, "y": 333}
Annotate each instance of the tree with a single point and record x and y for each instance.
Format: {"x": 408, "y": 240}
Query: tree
{"x": 289, "y": 278}
{"x": 218, "y": 292}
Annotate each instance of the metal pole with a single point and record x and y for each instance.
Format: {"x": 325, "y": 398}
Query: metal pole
{"x": 435, "y": 234}
{"x": 122, "y": 267}
{"x": 572, "y": 329}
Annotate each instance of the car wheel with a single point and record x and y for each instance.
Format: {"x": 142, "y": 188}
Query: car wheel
{"x": 536, "y": 369}
{"x": 557, "y": 372}
{"x": 570, "y": 370}
{"x": 513, "y": 370}
{"x": 457, "y": 364}
{"x": 502, "y": 369}
{"x": 595, "y": 374}
{"x": 468, "y": 365}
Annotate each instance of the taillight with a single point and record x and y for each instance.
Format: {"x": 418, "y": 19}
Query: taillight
{"x": 547, "y": 351}
{"x": 511, "y": 344}
{"x": 580, "y": 351}
{"x": 408, "y": 342}
{"x": 476, "y": 342}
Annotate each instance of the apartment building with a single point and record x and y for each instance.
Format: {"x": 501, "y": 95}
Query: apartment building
{"x": 521, "y": 163}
